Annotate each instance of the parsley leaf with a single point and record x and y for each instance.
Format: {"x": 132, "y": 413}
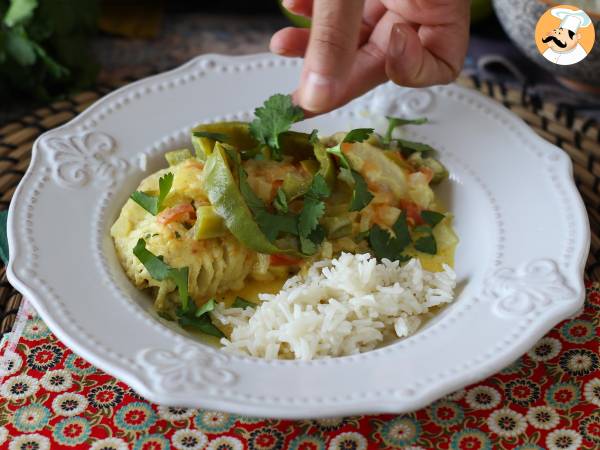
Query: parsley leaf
{"x": 361, "y": 196}
{"x": 395, "y": 122}
{"x": 152, "y": 203}
{"x": 358, "y": 135}
{"x": 314, "y": 137}
{"x": 280, "y": 201}
{"x": 319, "y": 187}
{"x": 426, "y": 244}
{"x": 221, "y": 137}
{"x": 411, "y": 146}
{"x": 160, "y": 271}
{"x": 312, "y": 210}
{"x": 384, "y": 245}
{"x": 202, "y": 324}
{"x": 432, "y": 217}
{"x": 276, "y": 116}
{"x": 239, "y": 302}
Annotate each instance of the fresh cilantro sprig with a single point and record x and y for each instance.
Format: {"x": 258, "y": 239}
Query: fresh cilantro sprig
{"x": 314, "y": 207}
{"x": 151, "y": 203}
{"x": 276, "y": 116}
{"x": 188, "y": 314}
{"x": 361, "y": 196}
{"x": 395, "y": 122}
{"x": 310, "y": 233}
{"x": 386, "y": 245}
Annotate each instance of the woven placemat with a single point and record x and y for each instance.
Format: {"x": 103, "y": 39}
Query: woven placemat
{"x": 559, "y": 124}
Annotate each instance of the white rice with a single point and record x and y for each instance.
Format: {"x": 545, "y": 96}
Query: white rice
{"x": 342, "y": 306}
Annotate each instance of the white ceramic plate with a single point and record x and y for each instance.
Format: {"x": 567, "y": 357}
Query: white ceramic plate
{"x": 523, "y": 229}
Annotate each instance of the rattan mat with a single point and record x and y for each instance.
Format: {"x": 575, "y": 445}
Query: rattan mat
{"x": 559, "y": 124}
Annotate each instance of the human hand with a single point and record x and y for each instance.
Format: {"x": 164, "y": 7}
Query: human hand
{"x": 354, "y": 45}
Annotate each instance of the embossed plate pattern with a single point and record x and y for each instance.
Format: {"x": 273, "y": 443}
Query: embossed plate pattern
{"x": 523, "y": 229}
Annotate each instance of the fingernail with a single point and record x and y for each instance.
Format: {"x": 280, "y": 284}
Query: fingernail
{"x": 397, "y": 41}
{"x": 317, "y": 92}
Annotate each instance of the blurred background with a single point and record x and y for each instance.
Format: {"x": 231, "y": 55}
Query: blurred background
{"x": 53, "y": 48}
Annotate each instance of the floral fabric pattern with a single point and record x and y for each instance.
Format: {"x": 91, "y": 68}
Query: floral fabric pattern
{"x": 50, "y": 398}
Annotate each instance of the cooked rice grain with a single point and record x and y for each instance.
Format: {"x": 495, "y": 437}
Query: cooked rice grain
{"x": 342, "y": 306}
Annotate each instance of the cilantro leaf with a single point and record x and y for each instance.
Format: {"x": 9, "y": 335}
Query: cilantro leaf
{"x": 280, "y": 201}
{"x": 221, "y": 137}
{"x": 160, "y": 271}
{"x": 412, "y": 146}
{"x": 313, "y": 208}
{"x": 239, "y": 302}
{"x": 426, "y": 229}
{"x": 432, "y": 217}
{"x": 380, "y": 242}
{"x": 202, "y": 324}
{"x": 400, "y": 229}
{"x": 358, "y": 135}
{"x": 361, "y": 196}
{"x": 155, "y": 266}
{"x": 151, "y": 203}
{"x": 395, "y": 122}
{"x": 319, "y": 187}
{"x": 314, "y": 137}
{"x": 426, "y": 244}
{"x": 276, "y": 116}
{"x": 384, "y": 245}
{"x": 312, "y": 211}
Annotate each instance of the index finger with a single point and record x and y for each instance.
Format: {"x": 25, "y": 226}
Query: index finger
{"x": 331, "y": 50}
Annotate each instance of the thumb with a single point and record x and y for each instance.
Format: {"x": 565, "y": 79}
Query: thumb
{"x": 409, "y": 63}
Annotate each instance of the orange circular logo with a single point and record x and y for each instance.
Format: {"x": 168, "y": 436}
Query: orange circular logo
{"x": 564, "y": 35}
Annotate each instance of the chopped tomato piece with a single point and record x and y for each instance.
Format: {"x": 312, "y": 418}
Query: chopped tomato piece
{"x": 413, "y": 212}
{"x": 278, "y": 259}
{"x": 179, "y": 213}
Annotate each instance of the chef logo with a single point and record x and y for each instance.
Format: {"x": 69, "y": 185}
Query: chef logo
{"x": 564, "y": 35}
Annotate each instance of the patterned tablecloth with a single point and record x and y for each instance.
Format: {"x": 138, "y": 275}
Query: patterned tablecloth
{"x": 549, "y": 399}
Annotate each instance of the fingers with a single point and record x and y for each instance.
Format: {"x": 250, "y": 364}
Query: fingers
{"x": 290, "y": 41}
{"x": 433, "y": 55}
{"x": 300, "y": 7}
{"x": 330, "y": 54}
{"x": 373, "y": 11}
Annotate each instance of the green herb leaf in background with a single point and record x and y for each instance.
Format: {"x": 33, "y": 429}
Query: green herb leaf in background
{"x": 44, "y": 47}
